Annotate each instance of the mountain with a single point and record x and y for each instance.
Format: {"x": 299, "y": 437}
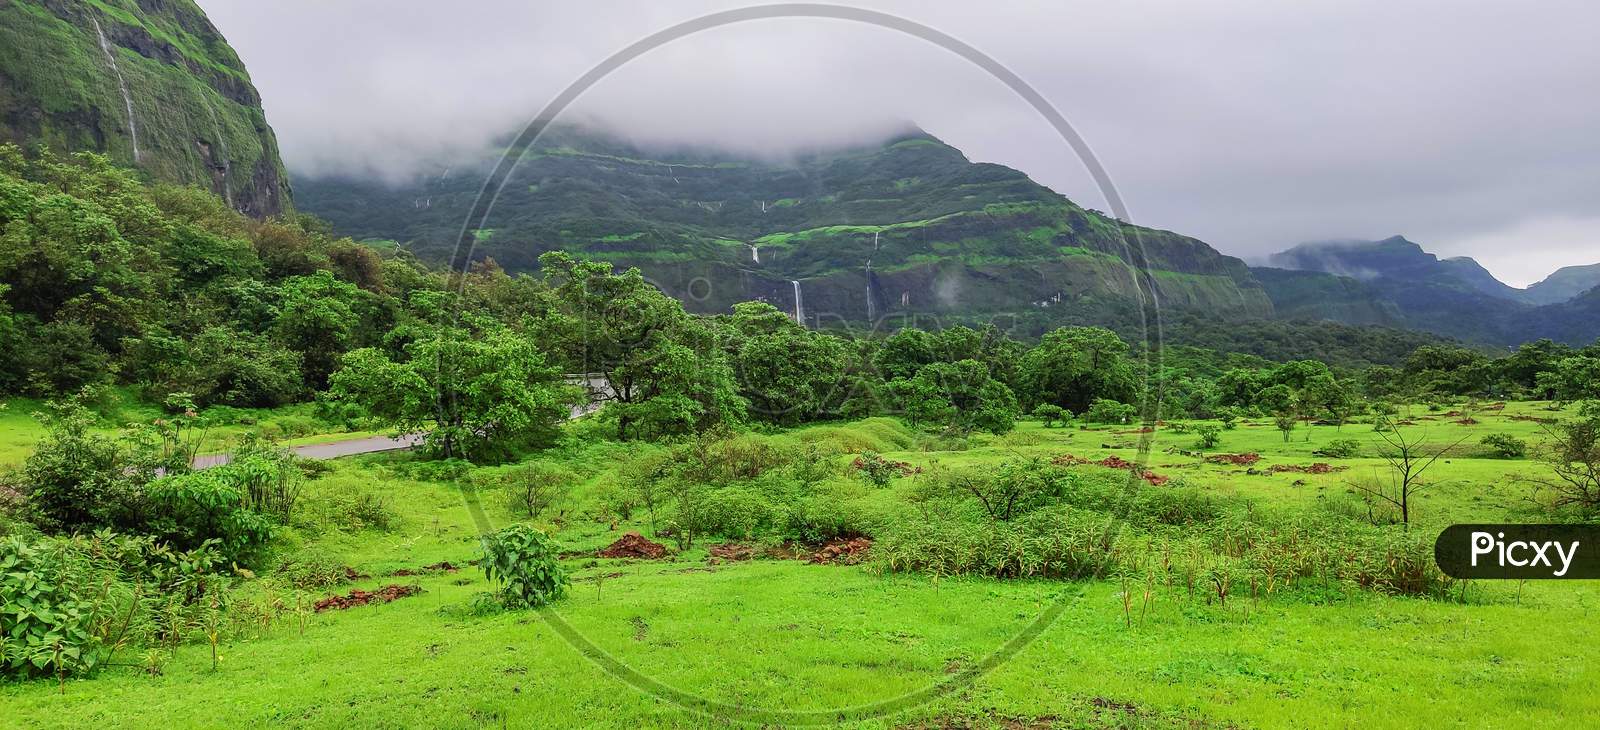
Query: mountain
{"x": 1395, "y": 282}
{"x": 150, "y": 83}
{"x": 908, "y": 226}
{"x": 1393, "y": 258}
{"x": 1565, "y": 284}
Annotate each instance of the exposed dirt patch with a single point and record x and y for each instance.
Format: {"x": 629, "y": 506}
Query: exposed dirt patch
{"x": 732, "y": 551}
{"x": 1533, "y": 419}
{"x": 358, "y": 597}
{"x": 1112, "y": 462}
{"x": 634, "y": 545}
{"x": 904, "y": 468}
{"x": 1316, "y": 468}
{"x": 842, "y": 552}
{"x": 1246, "y": 459}
{"x": 440, "y": 567}
{"x": 1468, "y": 421}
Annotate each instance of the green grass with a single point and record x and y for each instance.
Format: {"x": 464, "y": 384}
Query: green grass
{"x": 783, "y": 634}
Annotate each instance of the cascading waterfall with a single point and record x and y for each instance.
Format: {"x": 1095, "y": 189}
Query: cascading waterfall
{"x": 754, "y": 255}
{"x": 871, "y": 313}
{"x": 127, "y": 100}
{"x": 799, "y": 311}
{"x": 227, "y": 162}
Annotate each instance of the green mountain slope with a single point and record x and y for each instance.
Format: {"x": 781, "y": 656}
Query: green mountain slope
{"x": 909, "y": 226}
{"x": 150, "y": 83}
{"x": 1395, "y": 282}
{"x": 1565, "y": 284}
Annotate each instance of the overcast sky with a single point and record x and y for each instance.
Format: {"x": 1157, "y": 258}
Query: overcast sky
{"x": 1472, "y": 128}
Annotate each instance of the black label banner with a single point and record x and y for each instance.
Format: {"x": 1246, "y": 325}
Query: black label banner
{"x": 1519, "y": 552}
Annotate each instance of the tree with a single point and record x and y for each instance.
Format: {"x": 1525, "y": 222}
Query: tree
{"x": 1572, "y": 452}
{"x": 1209, "y": 434}
{"x": 664, "y": 371}
{"x": 1407, "y": 459}
{"x": 319, "y": 319}
{"x": 534, "y": 488}
{"x": 474, "y": 390}
{"x": 1050, "y": 413}
{"x": 1073, "y": 366}
{"x": 787, "y": 373}
{"x": 958, "y": 395}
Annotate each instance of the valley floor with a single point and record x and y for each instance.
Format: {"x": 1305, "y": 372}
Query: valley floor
{"x": 782, "y": 635}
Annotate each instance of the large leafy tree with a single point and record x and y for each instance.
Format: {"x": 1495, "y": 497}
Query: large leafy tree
{"x": 960, "y": 395}
{"x": 475, "y": 389}
{"x": 663, "y": 370}
{"x": 1074, "y": 366}
{"x": 788, "y": 373}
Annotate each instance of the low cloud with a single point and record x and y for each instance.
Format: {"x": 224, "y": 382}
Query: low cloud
{"x": 1252, "y": 125}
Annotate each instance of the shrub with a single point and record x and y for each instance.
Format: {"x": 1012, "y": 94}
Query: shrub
{"x": 194, "y": 509}
{"x": 877, "y": 470}
{"x": 1050, "y": 543}
{"x": 1050, "y": 413}
{"x": 1340, "y": 449}
{"x": 523, "y": 560}
{"x": 534, "y": 488}
{"x": 1505, "y": 446}
{"x": 1209, "y": 435}
{"x": 734, "y": 512}
{"x": 76, "y": 480}
{"x": 53, "y": 601}
{"x": 1103, "y": 410}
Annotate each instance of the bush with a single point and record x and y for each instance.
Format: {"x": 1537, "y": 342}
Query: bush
{"x": 199, "y": 508}
{"x": 1109, "y": 411}
{"x": 533, "y": 488}
{"x": 1050, "y": 413}
{"x": 523, "y": 560}
{"x": 1209, "y": 435}
{"x": 1049, "y": 543}
{"x": 53, "y": 601}
{"x": 1340, "y": 449}
{"x": 1505, "y": 446}
{"x": 75, "y": 480}
{"x": 877, "y": 470}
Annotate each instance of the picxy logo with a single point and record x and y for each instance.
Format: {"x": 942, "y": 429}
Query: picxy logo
{"x": 1519, "y": 552}
{"x": 1522, "y": 553}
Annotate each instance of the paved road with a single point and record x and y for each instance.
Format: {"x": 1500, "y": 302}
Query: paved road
{"x": 596, "y": 387}
{"x": 331, "y": 449}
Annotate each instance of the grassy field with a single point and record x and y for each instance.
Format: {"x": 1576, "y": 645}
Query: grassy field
{"x": 780, "y": 635}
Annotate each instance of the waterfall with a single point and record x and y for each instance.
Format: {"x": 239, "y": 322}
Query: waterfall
{"x": 874, "y": 241}
{"x": 127, "y": 101}
{"x": 799, "y": 312}
{"x": 754, "y": 255}
{"x": 227, "y": 162}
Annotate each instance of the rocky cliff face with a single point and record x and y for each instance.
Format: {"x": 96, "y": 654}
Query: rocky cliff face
{"x": 151, "y": 83}
{"x": 906, "y": 227}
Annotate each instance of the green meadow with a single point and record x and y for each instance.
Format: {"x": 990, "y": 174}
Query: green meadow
{"x": 691, "y": 640}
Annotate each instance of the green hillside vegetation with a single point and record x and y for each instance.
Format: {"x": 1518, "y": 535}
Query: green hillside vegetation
{"x": 826, "y": 520}
{"x": 195, "y": 117}
{"x": 906, "y": 227}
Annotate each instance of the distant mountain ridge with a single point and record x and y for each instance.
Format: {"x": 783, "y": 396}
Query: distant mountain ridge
{"x": 1394, "y": 281}
{"x": 909, "y": 226}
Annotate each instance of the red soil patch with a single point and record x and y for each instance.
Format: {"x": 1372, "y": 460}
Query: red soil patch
{"x": 1535, "y": 419}
{"x": 440, "y": 567}
{"x": 1112, "y": 462}
{"x": 1468, "y": 421}
{"x": 732, "y": 551}
{"x": 843, "y": 552}
{"x": 1316, "y": 468}
{"x": 1246, "y": 459}
{"x": 904, "y": 468}
{"x": 1146, "y": 429}
{"x": 358, "y": 597}
{"x": 634, "y": 545}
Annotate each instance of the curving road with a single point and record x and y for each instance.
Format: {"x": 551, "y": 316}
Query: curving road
{"x": 331, "y": 449}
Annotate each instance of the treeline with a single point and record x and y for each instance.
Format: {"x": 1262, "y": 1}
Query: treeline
{"x": 112, "y": 281}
